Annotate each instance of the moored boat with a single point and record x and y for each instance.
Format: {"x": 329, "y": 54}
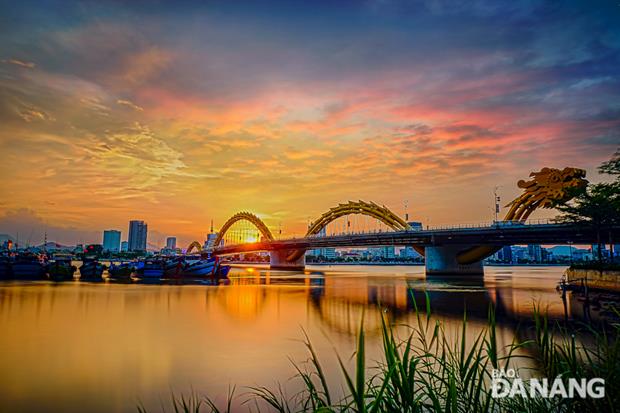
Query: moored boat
{"x": 28, "y": 267}
{"x": 174, "y": 267}
{"x": 91, "y": 270}
{"x": 60, "y": 268}
{"x": 121, "y": 271}
{"x": 152, "y": 269}
{"x": 201, "y": 268}
{"x": 6, "y": 272}
{"x": 223, "y": 270}
{"x": 205, "y": 268}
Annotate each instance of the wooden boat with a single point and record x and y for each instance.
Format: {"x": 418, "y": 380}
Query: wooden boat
{"x": 91, "y": 270}
{"x": 6, "y": 272}
{"x": 152, "y": 269}
{"x": 28, "y": 267}
{"x": 121, "y": 271}
{"x": 201, "y": 268}
{"x": 206, "y": 268}
{"x": 60, "y": 268}
{"x": 174, "y": 268}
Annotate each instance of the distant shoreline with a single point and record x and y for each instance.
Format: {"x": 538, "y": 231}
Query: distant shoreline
{"x": 393, "y": 264}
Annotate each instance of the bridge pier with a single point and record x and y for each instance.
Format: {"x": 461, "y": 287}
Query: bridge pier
{"x": 441, "y": 260}
{"x": 278, "y": 261}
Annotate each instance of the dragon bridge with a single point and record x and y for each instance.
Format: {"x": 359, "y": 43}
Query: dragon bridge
{"x": 244, "y": 216}
{"x": 546, "y": 189}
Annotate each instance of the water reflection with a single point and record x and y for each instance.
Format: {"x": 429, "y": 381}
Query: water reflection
{"x": 102, "y": 346}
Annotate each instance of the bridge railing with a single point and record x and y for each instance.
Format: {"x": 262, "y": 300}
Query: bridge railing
{"x": 487, "y": 224}
{"x": 492, "y": 224}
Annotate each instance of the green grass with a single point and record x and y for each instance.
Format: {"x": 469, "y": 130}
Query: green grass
{"x": 428, "y": 371}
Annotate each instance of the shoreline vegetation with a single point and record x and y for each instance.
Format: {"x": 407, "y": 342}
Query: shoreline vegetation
{"x": 427, "y": 371}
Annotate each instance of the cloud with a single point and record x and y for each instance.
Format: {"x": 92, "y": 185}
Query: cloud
{"x": 27, "y": 65}
{"x": 130, "y": 104}
{"x": 31, "y": 113}
{"x": 190, "y": 114}
{"x": 303, "y": 154}
{"x": 31, "y": 229}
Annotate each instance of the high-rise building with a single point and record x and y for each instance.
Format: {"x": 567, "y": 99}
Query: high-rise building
{"x": 534, "y": 251}
{"x": 388, "y": 252}
{"x": 111, "y": 240}
{"x": 506, "y": 254}
{"x": 210, "y": 242}
{"x": 124, "y": 246}
{"x": 171, "y": 243}
{"x": 137, "y": 235}
{"x": 604, "y": 251}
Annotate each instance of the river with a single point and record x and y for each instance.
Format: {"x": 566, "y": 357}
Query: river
{"x": 100, "y": 347}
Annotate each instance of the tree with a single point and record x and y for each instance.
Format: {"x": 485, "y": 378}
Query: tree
{"x": 597, "y": 205}
{"x": 611, "y": 167}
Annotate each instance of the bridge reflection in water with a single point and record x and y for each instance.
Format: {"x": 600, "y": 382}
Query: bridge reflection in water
{"x": 115, "y": 344}
{"x": 343, "y": 296}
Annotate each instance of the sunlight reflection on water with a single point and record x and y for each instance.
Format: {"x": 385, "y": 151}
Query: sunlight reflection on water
{"x": 102, "y": 347}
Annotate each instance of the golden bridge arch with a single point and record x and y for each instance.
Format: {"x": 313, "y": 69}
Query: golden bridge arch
{"x": 194, "y": 245}
{"x": 244, "y": 216}
{"x": 380, "y": 213}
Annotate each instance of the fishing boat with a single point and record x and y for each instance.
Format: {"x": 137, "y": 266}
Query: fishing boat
{"x": 223, "y": 270}
{"x": 28, "y": 267}
{"x": 6, "y": 273}
{"x": 91, "y": 270}
{"x": 121, "y": 271}
{"x": 205, "y": 268}
{"x": 200, "y": 268}
{"x": 174, "y": 267}
{"x": 60, "y": 268}
{"x": 152, "y": 269}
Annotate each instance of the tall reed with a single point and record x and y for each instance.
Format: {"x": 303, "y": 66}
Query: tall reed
{"x": 428, "y": 371}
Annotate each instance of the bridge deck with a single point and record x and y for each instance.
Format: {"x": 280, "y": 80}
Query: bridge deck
{"x": 492, "y": 235}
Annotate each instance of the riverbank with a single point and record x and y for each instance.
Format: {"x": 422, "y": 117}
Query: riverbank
{"x": 603, "y": 279}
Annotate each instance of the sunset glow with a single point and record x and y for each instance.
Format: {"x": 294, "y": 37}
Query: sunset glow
{"x": 179, "y": 113}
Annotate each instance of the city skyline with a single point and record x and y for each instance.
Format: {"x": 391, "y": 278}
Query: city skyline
{"x": 192, "y": 112}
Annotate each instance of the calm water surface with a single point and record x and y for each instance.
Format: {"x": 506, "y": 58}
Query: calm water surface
{"x": 80, "y": 347}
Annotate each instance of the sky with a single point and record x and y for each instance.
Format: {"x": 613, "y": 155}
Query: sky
{"x": 179, "y": 113}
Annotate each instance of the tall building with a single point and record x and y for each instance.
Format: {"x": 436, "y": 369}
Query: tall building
{"x": 210, "y": 242}
{"x": 111, "y": 240}
{"x": 171, "y": 243}
{"x": 604, "y": 252}
{"x": 124, "y": 246}
{"x": 137, "y": 235}
{"x": 534, "y": 251}
{"x": 505, "y": 254}
{"x": 388, "y": 252}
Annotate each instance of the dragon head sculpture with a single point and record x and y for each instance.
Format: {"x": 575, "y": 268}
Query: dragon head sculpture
{"x": 547, "y": 188}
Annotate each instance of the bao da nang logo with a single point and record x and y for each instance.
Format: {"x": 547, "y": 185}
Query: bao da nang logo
{"x": 507, "y": 383}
